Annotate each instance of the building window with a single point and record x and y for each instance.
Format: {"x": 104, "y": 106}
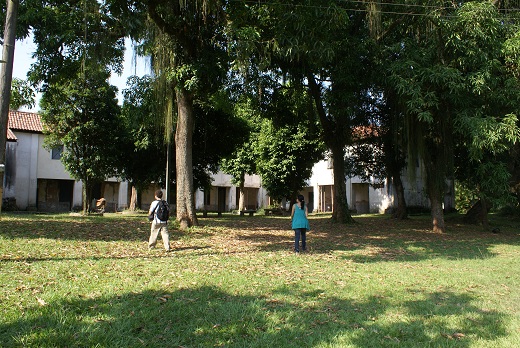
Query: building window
{"x": 56, "y": 152}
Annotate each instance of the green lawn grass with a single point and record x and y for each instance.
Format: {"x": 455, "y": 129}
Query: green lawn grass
{"x": 234, "y": 282}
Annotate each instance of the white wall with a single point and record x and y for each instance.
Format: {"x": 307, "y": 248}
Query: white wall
{"x": 224, "y": 180}
{"x": 49, "y": 168}
{"x": 26, "y": 160}
{"x": 379, "y": 198}
{"x": 123, "y": 196}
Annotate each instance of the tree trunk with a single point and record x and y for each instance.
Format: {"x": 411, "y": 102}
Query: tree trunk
{"x": 437, "y": 214}
{"x": 340, "y": 209}
{"x": 336, "y": 143}
{"x": 133, "y": 199}
{"x": 184, "y": 161}
{"x": 242, "y": 199}
{"x": 168, "y": 171}
{"x": 400, "y": 211}
{"x": 86, "y": 193}
{"x": 485, "y": 209}
{"x": 6, "y": 76}
{"x": 435, "y": 189}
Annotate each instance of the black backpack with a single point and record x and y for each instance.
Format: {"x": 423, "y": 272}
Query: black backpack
{"x": 162, "y": 210}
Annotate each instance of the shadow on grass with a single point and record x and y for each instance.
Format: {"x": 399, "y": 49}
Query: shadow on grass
{"x": 371, "y": 239}
{"x": 376, "y": 239}
{"x": 209, "y": 317}
{"x": 73, "y": 228}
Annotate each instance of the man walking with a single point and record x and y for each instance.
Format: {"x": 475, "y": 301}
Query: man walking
{"x": 159, "y": 222}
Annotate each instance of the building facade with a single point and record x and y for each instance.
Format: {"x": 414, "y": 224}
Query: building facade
{"x": 35, "y": 179}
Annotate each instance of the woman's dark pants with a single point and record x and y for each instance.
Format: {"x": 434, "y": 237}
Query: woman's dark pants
{"x": 300, "y": 232}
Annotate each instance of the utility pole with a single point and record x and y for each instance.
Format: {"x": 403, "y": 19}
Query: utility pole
{"x": 6, "y": 76}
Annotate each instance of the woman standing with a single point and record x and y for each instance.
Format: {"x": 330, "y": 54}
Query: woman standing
{"x": 300, "y": 223}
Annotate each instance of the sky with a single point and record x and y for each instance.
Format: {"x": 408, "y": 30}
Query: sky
{"x": 22, "y": 61}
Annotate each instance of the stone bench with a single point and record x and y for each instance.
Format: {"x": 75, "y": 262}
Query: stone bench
{"x": 247, "y": 211}
{"x": 205, "y": 213}
{"x": 274, "y": 211}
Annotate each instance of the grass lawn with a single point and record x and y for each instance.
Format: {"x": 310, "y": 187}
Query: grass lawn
{"x": 234, "y": 282}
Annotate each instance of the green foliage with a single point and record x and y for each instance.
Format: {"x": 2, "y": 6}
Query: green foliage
{"x": 82, "y": 115}
{"x": 286, "y": 157}
{"x": 144, "y": 160}
{"x": 449, "y": 74}
{"x": 69, "y": 34}
{"x": 243, "y": 160}
{"x": 284, "y": 145}
{"x": 146, "y": 133}
{"x": 465, "y": 196}
{"x": 218, "y": 134}
{"x": 489, "y": 134}
{"x": 22, "y": 94}
{"x": 453, "y": 71}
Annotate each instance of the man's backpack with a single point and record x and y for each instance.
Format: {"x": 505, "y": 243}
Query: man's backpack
{"x": 163, "y": 210}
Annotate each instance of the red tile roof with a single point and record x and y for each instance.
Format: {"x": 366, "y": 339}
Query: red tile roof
{"x": 11, "y": 136}
{"x": 23, "y": 121}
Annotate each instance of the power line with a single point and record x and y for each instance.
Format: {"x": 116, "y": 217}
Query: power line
{"x": 426, "y": 8}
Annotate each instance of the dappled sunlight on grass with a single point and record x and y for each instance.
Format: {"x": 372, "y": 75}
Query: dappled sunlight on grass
{"x": 235, "y": 282}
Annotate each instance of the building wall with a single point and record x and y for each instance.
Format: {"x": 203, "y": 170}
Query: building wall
{"x": 30, "y": 171}
{"x": 32, "y": 162}
{"x": 256, "y": 196}
{"x": 374, "y": 197}
{"x": 25, "y": 163}
{"x": 49, "y": 168}
{"x": 10, "y": 170}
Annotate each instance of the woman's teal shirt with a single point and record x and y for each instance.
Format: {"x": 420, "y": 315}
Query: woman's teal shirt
{"x": 299, "y": 219}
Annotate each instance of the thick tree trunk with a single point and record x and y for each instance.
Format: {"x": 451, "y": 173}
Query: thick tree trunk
{"x": 394, "y": 163}
{"x": 400, "y": 211}
{"x": 184, "y": 161}
{"x": 133, "y": 199}
{"x": 485, "y": 209}
{"x": 437, "y": 214}
{"x": 6, "y": 75}
{"x": 340, "y": 209}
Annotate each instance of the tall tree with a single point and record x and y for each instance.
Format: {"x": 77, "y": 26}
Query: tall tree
{"x": 488, "y": 124}
{"x": 441, "y": 63}
{"x": 325, "y": 48}
{"x": 145, "y": 158}
{"x": 243, "y": 161}
{"x": 190, "y": 59}
{"x": 77, "y": 44}
{"x": 6, "y": 74}
{"x": 82, "y": 115}
{"x": 289, "y": 142}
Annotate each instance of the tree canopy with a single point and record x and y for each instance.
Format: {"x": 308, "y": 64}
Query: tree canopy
{"x": 83, "y": 116}
{"x": 439, "y": 84}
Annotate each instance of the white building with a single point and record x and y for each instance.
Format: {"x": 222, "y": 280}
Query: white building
{"x": 35, "y": 178}
{"x": 362, "y": 197}
{"x": 224, "y": 196}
